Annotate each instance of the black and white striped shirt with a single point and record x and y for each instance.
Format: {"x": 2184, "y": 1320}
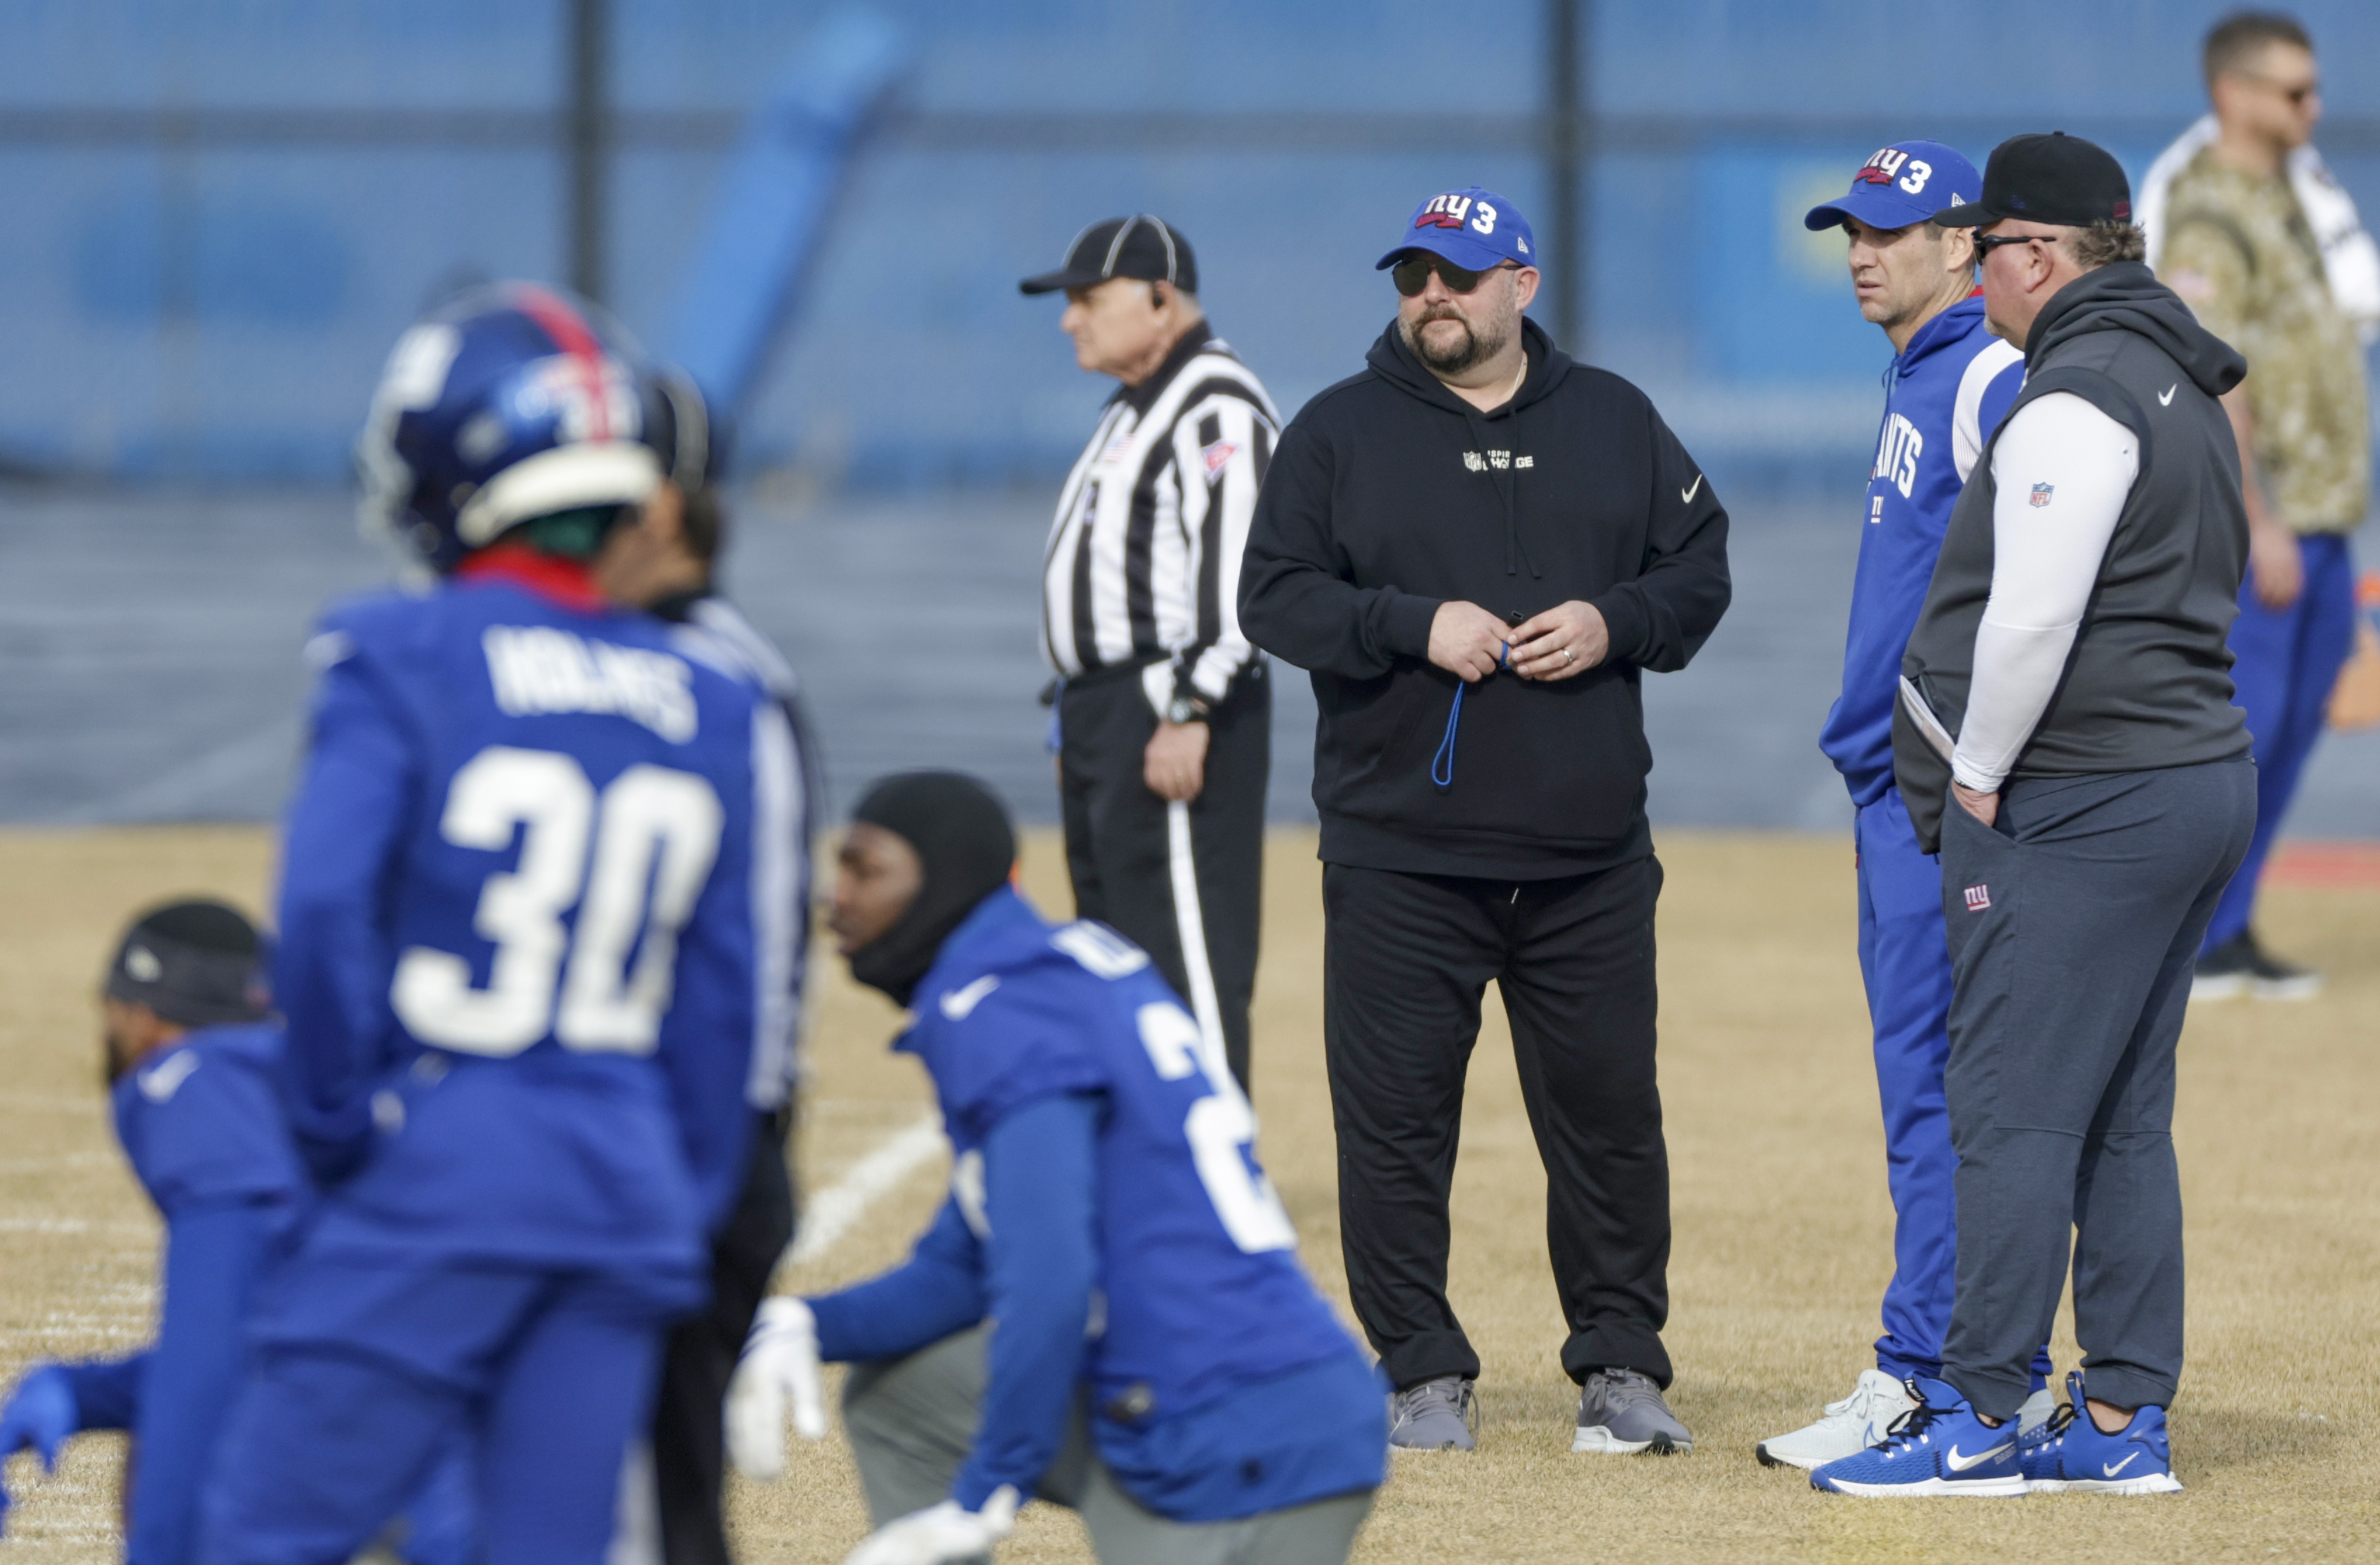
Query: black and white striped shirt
{"x": 1143, "y": 566}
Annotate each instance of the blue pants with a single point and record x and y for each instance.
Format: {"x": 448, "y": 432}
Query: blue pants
{"x": 2288, "y": 660}
{"x": 367, "y": 1373}
{"x": 1905, "y": 963}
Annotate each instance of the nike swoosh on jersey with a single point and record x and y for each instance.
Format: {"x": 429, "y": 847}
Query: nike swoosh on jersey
{"x": 161, "y": 1081}
{"x": 1960, "y": 1464}
{"x": 1687, "y": 493}
{"x": 960, "y": 1003}
{"x": 2165, "y": 397}
{"x": 2111, "y": 1469}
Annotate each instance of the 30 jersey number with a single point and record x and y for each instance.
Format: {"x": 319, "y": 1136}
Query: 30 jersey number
{"x": 653, "y": 834}
{"x": 1220, "y": 1127}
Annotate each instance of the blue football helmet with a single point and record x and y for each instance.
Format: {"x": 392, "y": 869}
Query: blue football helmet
{"x": 513, "y": 402}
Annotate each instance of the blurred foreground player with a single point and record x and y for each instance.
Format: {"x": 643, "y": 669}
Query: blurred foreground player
{"x": 530, "y": 963}
{"x": 1165, "y": 711}
{"x": 1109, "y": 1312}
{"x": 663, "y": 562}
{"x": 1949, "y": 383}
{"x": 192, "y": 1056}
{"x": 2066, "y": 735}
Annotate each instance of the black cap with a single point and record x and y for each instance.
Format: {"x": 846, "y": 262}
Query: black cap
{"x": 195, "y": 963}
{"x": 2054, "y": 178}
{"x": 1140, "y": 246}
{"x": 965, "y": 849}
{"x": 690, "y": 443}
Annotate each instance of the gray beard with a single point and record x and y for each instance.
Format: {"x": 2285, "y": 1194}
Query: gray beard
{"x": 1476, "y": 348}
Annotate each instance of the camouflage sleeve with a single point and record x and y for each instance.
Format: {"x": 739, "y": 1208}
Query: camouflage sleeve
{"x": 2206, "y": 260}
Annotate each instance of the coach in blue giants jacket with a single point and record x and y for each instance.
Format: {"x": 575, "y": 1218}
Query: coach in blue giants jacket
{"x": 1949, "y": 383}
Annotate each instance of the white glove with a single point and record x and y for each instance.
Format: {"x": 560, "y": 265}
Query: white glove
{"x": 780, "y": 1366}
{"x": 939, "y": 1533}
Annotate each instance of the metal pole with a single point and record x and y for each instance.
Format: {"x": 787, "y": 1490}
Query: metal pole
{"x": 587, "y": 131}
{"x": 1566, "y": 157}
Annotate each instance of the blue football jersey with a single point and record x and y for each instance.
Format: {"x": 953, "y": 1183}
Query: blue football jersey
{"x": 1944, "y": 395}
{"x": 538, "y": 915}
{"x": 1201, "y": 1286}
{"x": 201, "y": 1122}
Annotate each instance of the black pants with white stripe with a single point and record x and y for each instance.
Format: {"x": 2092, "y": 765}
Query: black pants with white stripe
{"x": 1183, "y": 881}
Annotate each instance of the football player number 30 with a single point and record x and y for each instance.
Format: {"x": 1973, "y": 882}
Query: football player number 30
{"x": 1221, "y": 1128}
{"x": 634, "y": 857}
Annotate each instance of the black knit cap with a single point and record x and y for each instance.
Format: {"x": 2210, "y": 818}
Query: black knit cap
{"x": 966, "y": 847}
{"x": 197, "y": 963}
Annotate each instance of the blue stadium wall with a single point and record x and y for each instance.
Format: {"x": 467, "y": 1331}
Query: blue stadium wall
{"x": 215, "y": 306}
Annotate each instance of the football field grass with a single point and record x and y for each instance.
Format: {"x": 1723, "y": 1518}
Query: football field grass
{"x": 1782, "y": 1228}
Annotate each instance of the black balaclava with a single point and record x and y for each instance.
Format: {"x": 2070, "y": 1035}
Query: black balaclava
{"x": 195, "y": 963}
{"x": 966, "y": 848}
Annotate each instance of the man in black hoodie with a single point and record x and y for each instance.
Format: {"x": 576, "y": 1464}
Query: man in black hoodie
{"x": 1475, "y": 546}
{"x": 2066, "y": 738}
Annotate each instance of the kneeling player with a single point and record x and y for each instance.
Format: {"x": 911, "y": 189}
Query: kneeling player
{"x": 1162, "y": 1364}
{"x": 191, "y": 1057}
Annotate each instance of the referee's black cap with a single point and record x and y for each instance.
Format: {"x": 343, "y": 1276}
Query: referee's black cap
{"x": 1140, "y": 246}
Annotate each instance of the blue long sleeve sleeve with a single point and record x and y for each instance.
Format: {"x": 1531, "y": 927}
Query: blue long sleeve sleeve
{"x": 212, "y": 1257}
{"x": 331, "y": 978}
{"x": 106, "y": 1390}
{"x": 1041, "y": 1203}
{"x": 939, "y": 1291}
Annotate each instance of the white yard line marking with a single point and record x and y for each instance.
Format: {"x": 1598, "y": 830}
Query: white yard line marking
{"x": 830, "y": 1214}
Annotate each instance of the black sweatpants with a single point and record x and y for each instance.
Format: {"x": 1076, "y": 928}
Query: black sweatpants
{"x": 689, "y": 1457}
{"x": 1406, "y": 959}
{"x": 2074, "y": 927}
{"x": 1183, "y": 881}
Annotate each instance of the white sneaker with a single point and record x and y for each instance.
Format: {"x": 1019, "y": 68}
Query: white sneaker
{"x": 1850, "y": 1427}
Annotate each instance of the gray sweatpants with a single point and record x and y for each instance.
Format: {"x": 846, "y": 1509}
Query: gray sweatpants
{"x": 2074, "y": 926}
{"x": 912, "y": 1420}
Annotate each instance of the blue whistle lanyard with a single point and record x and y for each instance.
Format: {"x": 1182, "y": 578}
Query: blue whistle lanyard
{"x": 1442, "y": 765}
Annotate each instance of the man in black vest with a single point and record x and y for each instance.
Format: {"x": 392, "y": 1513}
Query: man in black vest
{"x": 2066, "y": 738}
{"x": 1477, "y": 546}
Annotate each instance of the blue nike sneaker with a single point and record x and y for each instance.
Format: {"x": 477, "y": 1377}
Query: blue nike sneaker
{"x": 1939, "y": 1447}
{"x": 2071, "y": 1455}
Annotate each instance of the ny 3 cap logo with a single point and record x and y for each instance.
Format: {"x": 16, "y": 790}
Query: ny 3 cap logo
{"x": 1450, "y": 212}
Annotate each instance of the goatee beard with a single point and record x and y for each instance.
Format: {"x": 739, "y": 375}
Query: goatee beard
{"x": 1475, "y": 348}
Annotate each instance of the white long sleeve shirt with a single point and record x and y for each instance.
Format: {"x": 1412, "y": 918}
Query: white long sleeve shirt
{"x": 2063, "y": 471}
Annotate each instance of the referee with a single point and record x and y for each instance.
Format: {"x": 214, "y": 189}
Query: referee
{"x": 1164, "y": 716}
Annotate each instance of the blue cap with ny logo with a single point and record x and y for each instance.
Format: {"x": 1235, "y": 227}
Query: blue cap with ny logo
{"x": 1907, "y": 182}
{"x": 1475, "y": 229}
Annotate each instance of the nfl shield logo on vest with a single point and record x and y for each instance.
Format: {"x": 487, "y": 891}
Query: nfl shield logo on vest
{"x": 2041, "y": 493}
{"x": 1978, "y": 898}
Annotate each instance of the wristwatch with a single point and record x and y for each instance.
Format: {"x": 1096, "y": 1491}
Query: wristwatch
{"x": 1185, "y": 709}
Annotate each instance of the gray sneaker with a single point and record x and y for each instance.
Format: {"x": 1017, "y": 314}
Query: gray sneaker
{"x": 1621, "y": 1413}
{"x": 1441, "y": 1414}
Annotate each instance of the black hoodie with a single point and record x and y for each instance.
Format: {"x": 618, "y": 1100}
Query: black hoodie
{"x": 1390, "y": 495}
{"x": 2148, "y": 683}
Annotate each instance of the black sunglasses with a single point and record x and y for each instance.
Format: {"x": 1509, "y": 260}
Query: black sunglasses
{"x": 1412, "y": 275}
{"x": 1986, "y": 243}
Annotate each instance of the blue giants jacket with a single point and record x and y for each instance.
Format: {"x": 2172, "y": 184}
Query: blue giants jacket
{"x": 1109, "y": 1214}
{"x": 1944, "y": 395}
{"x": 537, "y": 920}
